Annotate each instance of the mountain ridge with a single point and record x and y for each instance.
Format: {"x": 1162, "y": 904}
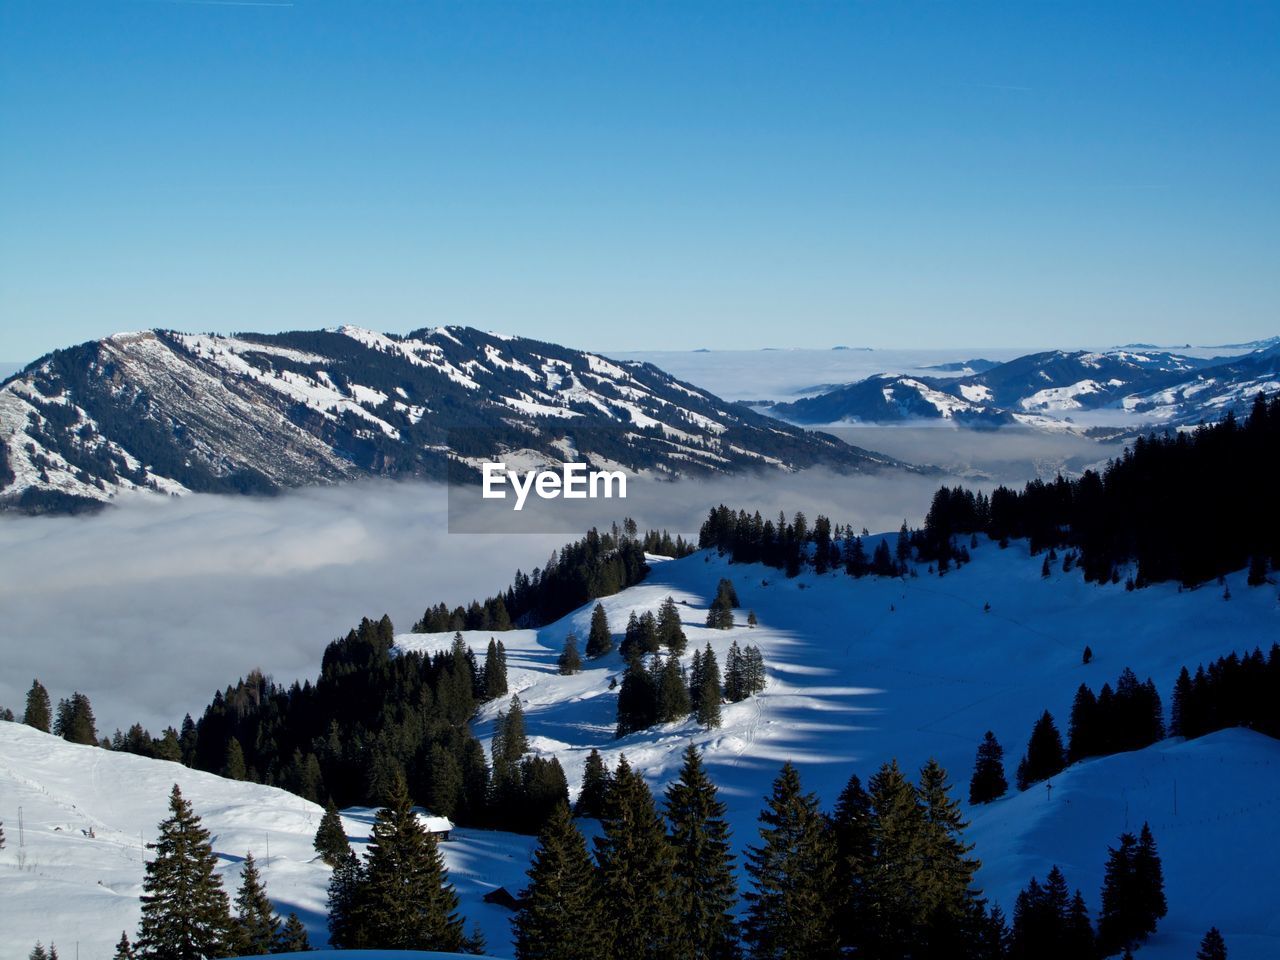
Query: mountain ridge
{"x": 173, "y": 412}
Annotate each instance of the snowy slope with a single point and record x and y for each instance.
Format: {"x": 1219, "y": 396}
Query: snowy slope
{"x": 859, "y": 672}
{"x": 59, "y": 883}
{"x": 863, "y": 671}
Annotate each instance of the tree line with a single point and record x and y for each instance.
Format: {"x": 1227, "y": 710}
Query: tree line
{"x": 598, "y": 565}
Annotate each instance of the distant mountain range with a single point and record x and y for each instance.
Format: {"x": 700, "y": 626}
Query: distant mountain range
{"x": 1135, "y": 387}
{"x": 174, "y": 412}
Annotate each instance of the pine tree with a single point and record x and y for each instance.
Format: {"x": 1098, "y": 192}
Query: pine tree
{"x": 705, "y": 689}
{"x": 637, "y": 700}
{"x": 595, "y": 785}
{"x": 407, "y": 900}
{"x": 599, "y": 642}
{"x": 569, "y": 662}
{"x": 942, "y": 888}
{"x": 988, "y": 781}
{"x": 673, "y": 692}
{"x": 670, "y": 631}
{"x": 1084, "y": 734}
{"x": 790, "y": 911}
{"x": 75, "y": 721}
{"x": 1212, "y": 947}
{"x": 185, "y": 912}
{"x": 495, "y": 670}
{"x": 735, "y": 676}
{"x": 1044, "y": 757}
{"x": 233, "y": 767}
{"x": 1077, "y": 938}
{"x": 346, "y": 916}
{"x": 293, "y": 937}
{"x": 331, "y": 837}
{"x": 851, "y": 834}
{"x": 255, "y": 926}
{"x": 39, "y": 713}
{"x": 704, "y": 880}
{"x": 897, "y": 837}
{"x": 1117, "y": 923}
{"x": 636, "y": 871}
{"x": 124, "y": 949}
{"x": 1257, "y": 570}
{"x": 560, "y": 917}
{"x": 753, "y": 669}
{"x": 1148, "y": 880}
{"x": 444, "y": 790}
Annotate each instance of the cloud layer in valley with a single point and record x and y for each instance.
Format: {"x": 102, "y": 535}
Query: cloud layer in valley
{"x": 150, "y": 606}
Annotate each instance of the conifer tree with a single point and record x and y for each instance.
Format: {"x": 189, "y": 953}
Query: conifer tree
{"x": 560, "y": 917}
{"x": 444, "y": 790}
{"x": 704, "y": 880}
{"x": 636, "y": 871}
{"x": 407, "y": 900}
{"x": 39, "y": 710}
{"x": 1212, "y": 946}
{"x": 185, "y": 911}
{"x": 670, "y": 631}
{"x": 790, "y": 910}
{"x": 595, "y": 784}
{"x": 124, "y": 949}
{"x": 75, "y": 721}
{"x": 735, "y": 675}
{"x": 1077, "y": 937}
{"x": 637, "y": 700}
{"x": 495, "y": 670}
{"x": 293, "y": 937}
{"x": 233, "y": 768}
{"x": 255, "y": 926}
{"x": 988, "y": 781}
{"x": 673, "y": 692}
{"x": 1148, "y": 878}
{"x": 599, "y": 642}
{"x": 897, "y": 837}
{"x": 569, "y": 662}
{"x": 942, "y": 889}
{"x": 331, "y": 837}
{"x": 705, "y": 689}
{"x": 752, "y": 622}
{"x": 1044, "y": 757}
{"x": 851, "y": 834}
{"x": 1084, "y": 737}
{"x": 346, "y": 914}
{"x": 753, "y": 669}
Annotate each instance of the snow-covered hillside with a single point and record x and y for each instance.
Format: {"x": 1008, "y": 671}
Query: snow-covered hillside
{"x": 76, "y": 819}
{"x": 859, "y": 672}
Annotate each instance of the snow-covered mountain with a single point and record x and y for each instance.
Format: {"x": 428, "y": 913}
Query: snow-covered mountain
{"x": 173, "y": 412}
{"x": 1127, "y": 386}
{"x": 859, "y": 671}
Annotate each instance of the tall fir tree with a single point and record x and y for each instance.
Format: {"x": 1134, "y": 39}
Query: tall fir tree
{"x": 75, "y": 721}
{"x": 570, "y": 661}
{"x": 293, "y": 937}
{"x": 851, "y": 833}
{"x": 124, "y": 949}
{"x": 495, "y": 670}
{"x": 560, "y": 913}
{"x": 234, "y": 768}
{"x": 988, "y": 781}
{"x": 1212, "y": 946}
{"x": 255, "y": 925}
{"x": 595, "y": 785}
{"x": 185, "y": 911}
{"x": 670, "y": 631}
{"x": 672, "y": 691}
{"x": 705, "y": 689}
{"x": 636, "y": 870}
{"x": 791, "y": 912}
{"x": 704, "y": 879}
{"x": 599, "y": 640}
{"x": 346, "y": 914}
{"x": 39, "y": 712}
{"x": 1044, "y": 757}
{"x": 943, "y": 889}
{"x": 407, "y": 899}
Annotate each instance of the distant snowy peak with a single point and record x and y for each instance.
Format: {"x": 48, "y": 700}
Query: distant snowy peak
{"x": 1141, "y": 386}
{"x": 173, "y": 412}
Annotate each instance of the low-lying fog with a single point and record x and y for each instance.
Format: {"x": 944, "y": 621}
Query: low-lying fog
{"x": 151, "y": 605}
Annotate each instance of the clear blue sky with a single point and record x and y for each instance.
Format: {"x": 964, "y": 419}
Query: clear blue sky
{"x": 636, "y": 175}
